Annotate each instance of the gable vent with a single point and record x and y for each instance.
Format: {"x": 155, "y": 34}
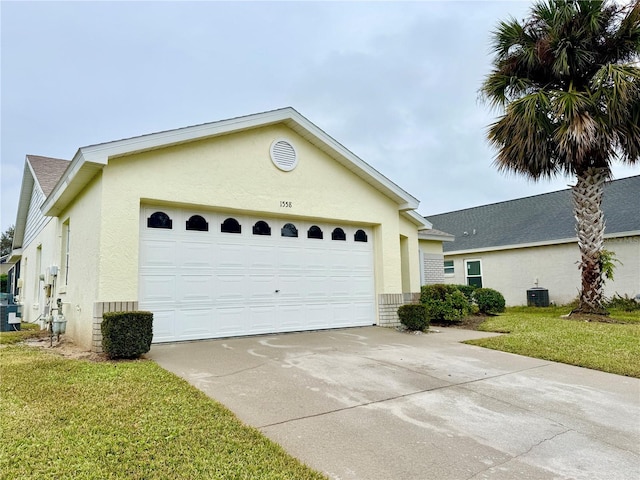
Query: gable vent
{"x": 284, "y": 155}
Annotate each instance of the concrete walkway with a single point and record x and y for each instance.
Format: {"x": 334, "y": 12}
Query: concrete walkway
{"x": 372, "y": 403}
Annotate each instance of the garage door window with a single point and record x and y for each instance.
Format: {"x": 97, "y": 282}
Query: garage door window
{"x": 198, "y": 223}
{"x": 360, "y": 236}
{"x": 315, "y": 232}
{"x": 159, "y": 220}
{"x": 289, "y": 230}
{"x": 338, "y": 234}
{"x": 261, "y": 228}
{"x": 230, "y": 225}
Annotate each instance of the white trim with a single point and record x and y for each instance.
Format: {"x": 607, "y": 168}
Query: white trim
{"x": 94, "y": 157}
{"x": 466, "y": 270}
{"x": 543, "y": 243}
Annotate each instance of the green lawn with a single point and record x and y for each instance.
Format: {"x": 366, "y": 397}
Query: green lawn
{"x": 543, "y": 333}
{"x": 75, "y": 419}
{"x": 27, "y": 330}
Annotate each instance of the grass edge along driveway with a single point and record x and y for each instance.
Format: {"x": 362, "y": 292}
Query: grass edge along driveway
{"x": 63, "y": 418}
{"x": 543, "y": 333}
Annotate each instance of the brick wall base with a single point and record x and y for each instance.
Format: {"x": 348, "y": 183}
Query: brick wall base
{"x": 388, "y": 304}
{"x": 98, "y": 309}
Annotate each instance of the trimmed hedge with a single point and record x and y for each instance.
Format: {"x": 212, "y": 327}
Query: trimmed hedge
{"x": 444, "y": 303}
{"x": 126, "y": 334}
{"x": 489, "y": 300}
{"x": 414, "y": 317}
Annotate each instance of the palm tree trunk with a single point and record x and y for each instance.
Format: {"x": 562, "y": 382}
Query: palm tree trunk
{"x": 587, "y": 204}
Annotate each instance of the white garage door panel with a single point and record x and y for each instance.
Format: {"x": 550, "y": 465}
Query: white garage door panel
{"x": 231, "y": 321}
{"x": 196, "y": 255}
{"x": 158, "y": 253}
{"x": 196, "y": 288}
{"x": 208, "y": 284}
{"x": 261, "y": 288}
{"x": 263, "y": 319}
{"x": 163, "y": 325}
{"x": 230, "y": 288}
{"x": 291, "y": 317}
{"x": 195, "y": 324}
{"x": 158, "y": 289}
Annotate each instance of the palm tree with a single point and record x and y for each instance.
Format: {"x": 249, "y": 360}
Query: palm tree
{"x": 567, "y": 83}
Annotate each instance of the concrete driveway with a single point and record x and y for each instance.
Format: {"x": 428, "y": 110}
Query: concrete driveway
{"x": 373, "y": 403}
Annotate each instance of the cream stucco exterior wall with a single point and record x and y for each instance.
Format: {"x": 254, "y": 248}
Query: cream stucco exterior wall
{"x": 235, "y": 173}
{"x": 78, "y": 296}
{"x": 512, "y": 272}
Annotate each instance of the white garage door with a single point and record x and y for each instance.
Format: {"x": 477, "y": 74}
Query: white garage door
{"x": 209, "y": 275}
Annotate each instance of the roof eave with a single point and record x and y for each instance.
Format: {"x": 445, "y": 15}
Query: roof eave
{"x": 89, "y": 160}
{"x": 26, "y": 190}
{"x": 416, "y": 219}
{"x": 436, "y": 237}
{"x": 543, "y": 243}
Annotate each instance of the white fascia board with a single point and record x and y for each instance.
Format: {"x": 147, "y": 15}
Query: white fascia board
{"x": 15, "y": 255}
{"x": 26, "y": 190}
{"x": 421, "y": 222}
{"x": 50, "y": 207}
{"x": 440, "y": 238}
{"x": 559, "y": 241}
{"x": 99, "y": 154}
{"x": 406, "y": 201}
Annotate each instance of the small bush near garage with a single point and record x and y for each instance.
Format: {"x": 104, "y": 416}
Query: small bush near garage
{"x": 414, "y": 317}
{"x": 489, "y": 301}
{"x": 126, "y": 334}
{"x": 444, "y": 303}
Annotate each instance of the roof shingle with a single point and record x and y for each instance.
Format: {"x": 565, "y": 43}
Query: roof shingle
{"x": 539, "y": 218}
{"x": 47, "y": 171}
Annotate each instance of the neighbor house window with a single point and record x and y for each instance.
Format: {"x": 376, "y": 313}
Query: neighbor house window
{"x": 338, "y": 234}
{"x": 231, "y": 225}
{"x": 159, "y": 220}
{"x": 289, "y": 230}
{"x": 448, "y": 267}
{"x": 261, "y": 228}
{"x": 315, "y": 232}
{"x": 197, "y": 223}
{"x": 360, "y": 236}
{"x": 474, "y": 273}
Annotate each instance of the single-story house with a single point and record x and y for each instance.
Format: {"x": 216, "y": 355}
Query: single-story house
{"x": 517, "y": 245}
{"x": 257, "y": 224}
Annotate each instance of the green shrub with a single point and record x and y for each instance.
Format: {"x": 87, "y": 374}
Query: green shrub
{"x": 467, "y": 290}
{"x": 445, "y": 303}
{"x": 4, "y": 286}
{"x": 626, "y": 304}
{"x": 488, "y": 300}
{"x": 126, "y": 334}
{"x": 414, "y": 317}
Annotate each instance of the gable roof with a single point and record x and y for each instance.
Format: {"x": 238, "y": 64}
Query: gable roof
{"x": 91, "y": 159}
{"x": 44, "y": 173}
{"x": 539, "y": 219}
{"x": 47, "y": 171}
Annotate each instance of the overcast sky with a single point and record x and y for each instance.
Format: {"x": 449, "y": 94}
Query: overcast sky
{"x": 394, "y": 82}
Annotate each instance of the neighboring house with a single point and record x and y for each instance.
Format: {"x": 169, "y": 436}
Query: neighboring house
{"x": 5, "y": 266}
{"x": 520, "y": 244}
{"x": 256, "y": 224}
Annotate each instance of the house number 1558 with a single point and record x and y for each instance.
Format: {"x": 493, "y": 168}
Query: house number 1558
{"x": 284, "y": 204}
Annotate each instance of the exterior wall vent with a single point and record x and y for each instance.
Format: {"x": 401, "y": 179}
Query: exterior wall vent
{"x": 283, "y": 155}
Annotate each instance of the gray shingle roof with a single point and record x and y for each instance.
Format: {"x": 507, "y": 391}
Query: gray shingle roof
{"x": 47, "y": 171}
{"x": 539, "y": 218}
